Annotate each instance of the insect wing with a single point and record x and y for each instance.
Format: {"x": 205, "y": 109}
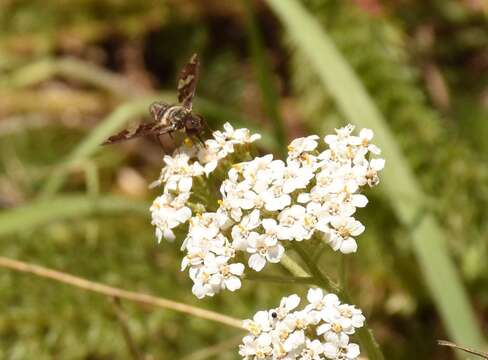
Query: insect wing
{"x": 157, "y": 110}
{"x": 127, "y": 134}
{"x": 187, "y": 82}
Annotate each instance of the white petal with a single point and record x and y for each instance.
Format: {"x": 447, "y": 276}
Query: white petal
{"x": 254, "y": 220}
{"x": 275, "y": 254}
{"x": 233, "y": 283}
{"x": 183, "y": 214}
{"x": 210, "y": 167}
{"x": 256, "y": 262}
{"x": 352, "y": 351}
{"x": 159, "y": 234}
{"x": 359, "y": 200}
{"x": 269, "y": 225}
{"x": 377, "y": 164}
{"x": 261, "y": 317}
{"x": 169, "y": 235}
{"x": 246, "y": 204}
{"x": 200, "y": 291}
{"x": 315, "y": 295}
{"x": 366, "y": 134}
{"x": 236, "y": 269}
{"x": 322, "y": 329}
{"x": 330, "y": 350}
{"x": 349, "y": 246}
{"x": 185, "y": 184}
{"x": 356, "y": 229}
{"x": 374, "y": 149}
{"x": 292, "y": 302}
{"x": 264, "y": 339}
{"x": 331, "y": 300}
{"x": 284, "y": 233}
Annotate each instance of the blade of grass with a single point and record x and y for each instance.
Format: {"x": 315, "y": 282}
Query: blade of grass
{"x": 399, "y": 182}
{"x": 72, "y": 68}
{"x": 42, "y": 212}
{"x": 262, "y": 69}
{"x": 119, "y": 117}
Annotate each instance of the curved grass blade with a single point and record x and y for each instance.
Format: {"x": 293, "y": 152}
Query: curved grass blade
{"x": 42, "y": 212}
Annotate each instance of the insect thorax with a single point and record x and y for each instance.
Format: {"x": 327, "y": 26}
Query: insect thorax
{"x": 174, "y": 116}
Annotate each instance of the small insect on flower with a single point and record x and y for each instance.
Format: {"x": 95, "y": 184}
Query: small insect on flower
{"x": 167, "y": 118}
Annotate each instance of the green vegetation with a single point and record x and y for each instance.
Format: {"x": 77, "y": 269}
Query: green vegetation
{"x": 72, "y": 73}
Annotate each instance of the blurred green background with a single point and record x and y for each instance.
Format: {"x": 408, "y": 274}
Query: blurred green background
{"x": 73, "y": 71}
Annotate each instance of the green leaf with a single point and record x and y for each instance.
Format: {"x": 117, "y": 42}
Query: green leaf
{"x": 399, "y": 182}
{"x": 42, "y": 212}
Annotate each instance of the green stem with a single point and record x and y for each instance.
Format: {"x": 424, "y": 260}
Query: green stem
{"x": 323, "y": 280}
{"x": 281, "y": 279}
{"x": 365, "y": 335}
{"x": 344, "y": 270}
{"x": 293, "y": 267}
{"x": 318, "y": 252}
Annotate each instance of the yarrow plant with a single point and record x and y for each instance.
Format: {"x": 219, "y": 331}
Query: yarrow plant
{"x": 235, "y": 211}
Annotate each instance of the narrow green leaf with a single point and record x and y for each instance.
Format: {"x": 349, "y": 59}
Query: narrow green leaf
{"x": 399, "y": 182}
{"x": 42, "y": 212}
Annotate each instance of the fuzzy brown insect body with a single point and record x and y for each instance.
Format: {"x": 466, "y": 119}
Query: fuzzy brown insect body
{"x": 167, "y": 118}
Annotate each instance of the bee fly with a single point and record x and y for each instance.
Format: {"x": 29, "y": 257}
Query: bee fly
{"x": 166, "y": 118}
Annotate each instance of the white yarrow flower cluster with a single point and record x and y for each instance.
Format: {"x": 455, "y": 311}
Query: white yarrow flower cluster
{"x": 187, "y": 162}
{"x": 265, "y": 202}
{"x": 320, "y": 330}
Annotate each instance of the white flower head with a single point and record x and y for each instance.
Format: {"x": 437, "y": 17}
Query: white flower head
{"x": 302, "y": 145}
{"x": 340, "y": 236}
{"x": 342, "y": 350}
{"x": 222, "y": 144}
{"x": 288, "y": 333}
{"x": 167, "y": 212}
{"x": 264, "y": 248}
{"x": 262, "y": 203}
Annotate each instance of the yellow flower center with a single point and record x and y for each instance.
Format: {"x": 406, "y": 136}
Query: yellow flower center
{"x": 284, "y": 335}
{"x": 337, "y": 328}
{"x": 254, "y": 328}
{"x": 343, "y": 232}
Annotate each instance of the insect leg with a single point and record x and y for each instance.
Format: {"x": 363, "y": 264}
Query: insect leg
{"x": 200, "y": 139}
{"x": 158, "y": 139}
